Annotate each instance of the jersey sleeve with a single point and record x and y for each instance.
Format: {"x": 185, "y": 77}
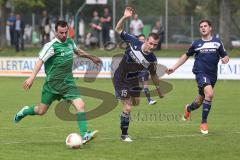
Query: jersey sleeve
{"x": 74, "y": 45}
{"x": 190, "y": 51}
{"x": 46, "y": 52}
{"x": 127, "y": 37}
{"x": 222, "y": 51}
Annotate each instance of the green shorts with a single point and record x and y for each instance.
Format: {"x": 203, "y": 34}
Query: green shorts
{"x": 67, "y": 91}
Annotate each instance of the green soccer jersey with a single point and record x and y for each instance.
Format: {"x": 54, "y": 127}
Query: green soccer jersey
{"x": 58, "y": 61}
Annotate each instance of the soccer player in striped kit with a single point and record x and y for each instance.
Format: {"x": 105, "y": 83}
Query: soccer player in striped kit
{"x": 138, "y": 56}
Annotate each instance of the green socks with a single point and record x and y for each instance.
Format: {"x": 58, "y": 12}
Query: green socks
{"x": 29, "y": 111}
{"x": 82, "y": 122}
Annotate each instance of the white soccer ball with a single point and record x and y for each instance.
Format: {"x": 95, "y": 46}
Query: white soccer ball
{"x": 74, "y": 140}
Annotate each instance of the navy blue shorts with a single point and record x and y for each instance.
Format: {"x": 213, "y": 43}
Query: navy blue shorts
{"x": 124, "y": 92}
{"x": 143, "y": 76}
{"x": 204, "y": 80}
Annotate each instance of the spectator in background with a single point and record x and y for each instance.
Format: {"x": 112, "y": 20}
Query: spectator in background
{"x": 81, "y": 30}
{"x": 11, "y": 22}
{"x": 158, "y": 29}
{"x": 19, "y": 32}
{"x": 45, "y": 28}
{"x": 71, "y": 31}
{"x": 106, "y": 25}
{"x": 136, "y": 26}
{"x": 93, "y": 37}
{"x": 27, "y": 33}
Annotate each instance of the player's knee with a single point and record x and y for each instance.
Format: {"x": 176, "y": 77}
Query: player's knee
{"x": 80, "y": 106}
{"x": 127, "y": 108}
{"x": 209, "y": 95}
{"x": 41, "y": 111}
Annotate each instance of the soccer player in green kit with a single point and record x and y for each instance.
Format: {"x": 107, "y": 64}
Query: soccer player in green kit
{"x": 57, "y": 57}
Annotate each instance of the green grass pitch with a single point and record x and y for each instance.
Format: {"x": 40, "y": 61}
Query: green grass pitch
{"x": 164, "y": 136}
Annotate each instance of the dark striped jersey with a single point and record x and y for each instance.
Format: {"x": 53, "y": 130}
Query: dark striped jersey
{"x": 133, "y": 61}
{"x": 207, "y": 55}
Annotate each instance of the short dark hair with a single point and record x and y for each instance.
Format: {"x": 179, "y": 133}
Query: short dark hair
{"x": 155, "y": 36}
{"x": 205, "y": 20}
{"x": 60, "y": 23}
{"x": 141, "y": 35}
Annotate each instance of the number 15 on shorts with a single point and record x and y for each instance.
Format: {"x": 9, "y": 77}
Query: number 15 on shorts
{"x": 124, "y": 93}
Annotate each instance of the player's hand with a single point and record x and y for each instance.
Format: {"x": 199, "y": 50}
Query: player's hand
{"x": 225, "y": 60}
{"x": 160, "y": 93}
{"x": 28, "y": 83}
{"x": 97, "y": 60}
{"x": 170, "y": 70}
{"x": 128, "y": 12}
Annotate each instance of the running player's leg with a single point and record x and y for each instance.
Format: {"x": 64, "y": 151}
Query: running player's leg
{"x": 40, "y": 109}
{"x": 72, "y": 94}
{"x": 82, "y": 120}
{"x": 81, "y": 115}
{"x": 132, "y": 98}
{"x": 206, "y": 84}
{"x": 46, "y": 99}
{"x": 193, "y": 106}
{"x": 125, "y": 119}
{"x": 208, "y": 91}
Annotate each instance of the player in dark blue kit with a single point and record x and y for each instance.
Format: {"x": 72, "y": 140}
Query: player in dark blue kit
{"x": 208, "y": 51}
{"x": 138, "y": 56}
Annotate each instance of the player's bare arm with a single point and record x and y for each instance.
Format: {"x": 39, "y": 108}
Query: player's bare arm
{"x": 180, "y": 62}
{"x": 225, "y": 60}
{"x": 127, "y": 14}
{"x": 28, "y": 82}
{"x": 82, "y": 53}
{"x": 155, "y": 80}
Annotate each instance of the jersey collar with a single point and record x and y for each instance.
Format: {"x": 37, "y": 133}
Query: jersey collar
{"x": 59, "y": 40}
{"x": 208, "y": 39}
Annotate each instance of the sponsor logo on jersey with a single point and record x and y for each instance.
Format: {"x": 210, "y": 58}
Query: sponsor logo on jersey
{"x": 138, "y": 57}
{"x": 207, "y": 50}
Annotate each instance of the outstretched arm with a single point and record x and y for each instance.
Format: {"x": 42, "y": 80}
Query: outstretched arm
{"x": 180, "y": 62}
{"x": 82, "y": 53}
{"x": 28, "y": 82}
{"x": 127, "y": 14}
{"x": 155, "y": 80}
